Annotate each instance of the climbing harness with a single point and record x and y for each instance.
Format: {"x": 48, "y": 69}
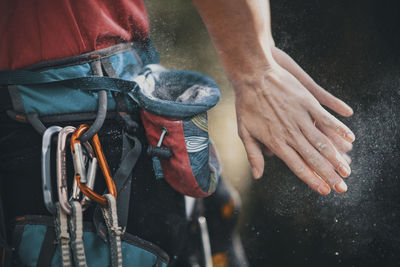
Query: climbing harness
{"x": 111, "y": 83}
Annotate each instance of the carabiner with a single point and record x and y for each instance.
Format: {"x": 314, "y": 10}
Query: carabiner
{"x": 62, "y": 186}
{"x": 103, "y": 165}
{"x": 46, "y": 172}
{"x": 78, "y": 159}
{"x": 91, "y": 178}
{"x": 90, "y": 174}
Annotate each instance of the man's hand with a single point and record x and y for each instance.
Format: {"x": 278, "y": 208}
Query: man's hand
{"x": 275, "y": 110}
{"x": 278, "y": 105}
{"x": 323, "y": 97}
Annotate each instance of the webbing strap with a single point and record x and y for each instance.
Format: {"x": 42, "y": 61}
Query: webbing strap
{"x": 122, "y": 180}
{"x": 123, "y": 177}
{"x": 87, "y": 83}
{"x": 110, "y": 72}
{"x": 63, "y": 237}
{"x": 36, "y": 123}
{"x": 16, "y": 98}
{"x": 76, "y": 229}
{"x": 114, "y": 231}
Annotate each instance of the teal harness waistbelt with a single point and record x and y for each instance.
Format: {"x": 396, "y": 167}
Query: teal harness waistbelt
{"x": 66, "y": 90}
{"x": 68, "y": 87}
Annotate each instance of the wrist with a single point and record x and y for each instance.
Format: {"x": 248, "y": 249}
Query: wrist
{"x": 248, "y": 65}
{"x": 254, "y": 77}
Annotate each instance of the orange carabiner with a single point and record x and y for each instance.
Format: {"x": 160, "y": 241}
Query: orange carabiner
{"x": 103, "y": 166}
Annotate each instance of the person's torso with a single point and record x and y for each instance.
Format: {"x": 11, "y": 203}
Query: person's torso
{"x": 42, "y": 30}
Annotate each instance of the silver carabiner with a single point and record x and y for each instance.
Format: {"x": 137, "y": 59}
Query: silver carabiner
{"x": 79, "y": 162}
{"x": 90, "y": 174}
{"x": 62, "y": 186}
{"x": 62, "y": 171}
{"x": 46, "y": 171}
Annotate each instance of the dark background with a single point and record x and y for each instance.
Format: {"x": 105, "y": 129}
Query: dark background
{"x": 351, "y": 48}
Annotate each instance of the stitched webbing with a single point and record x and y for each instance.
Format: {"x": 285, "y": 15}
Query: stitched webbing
{"x": 122, "y": 179}
{"x": 63, "y": 238}
{"x": 76, "y": 229}
{"x": 114, "y": 231}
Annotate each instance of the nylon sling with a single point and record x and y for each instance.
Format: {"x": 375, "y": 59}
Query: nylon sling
{"x": 76, "y": 229}
{"x": 114, "y": 231}
{"x": 63, "y": 237}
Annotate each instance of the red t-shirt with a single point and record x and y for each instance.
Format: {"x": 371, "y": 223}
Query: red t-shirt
{"x": 41, "y": 30}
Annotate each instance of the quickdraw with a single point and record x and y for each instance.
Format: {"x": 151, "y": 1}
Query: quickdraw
{"x": 62, "y": 187}
{"x": 103, "y": 165}
{"x": 61, "y": 218}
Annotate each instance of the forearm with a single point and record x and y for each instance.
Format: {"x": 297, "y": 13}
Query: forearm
{"x": 278, "y": 105}
{"x": 241, "y": 33}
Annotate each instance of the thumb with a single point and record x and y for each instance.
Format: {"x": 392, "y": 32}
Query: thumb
{"x": 254, "y": 155}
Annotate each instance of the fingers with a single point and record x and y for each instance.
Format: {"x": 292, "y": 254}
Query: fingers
{"x": 347, "y": 158}
{"x": 325, "y": 147}
{"x": 319, "y": 164}
{"x": 325, "y": 119}
{"x": 341, "y": 144}
{"x": 332, "y": 102}
{"x": 323, "y": 97}
{"x": 254, "y": 155}
{"x": 302, "y": 170}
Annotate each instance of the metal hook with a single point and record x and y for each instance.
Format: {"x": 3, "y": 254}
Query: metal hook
{"x": 103, "y": 165}
{"x": 62, "y": 186}
{"x": 46, "y": 171}
{"x": 90, "y": 174}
